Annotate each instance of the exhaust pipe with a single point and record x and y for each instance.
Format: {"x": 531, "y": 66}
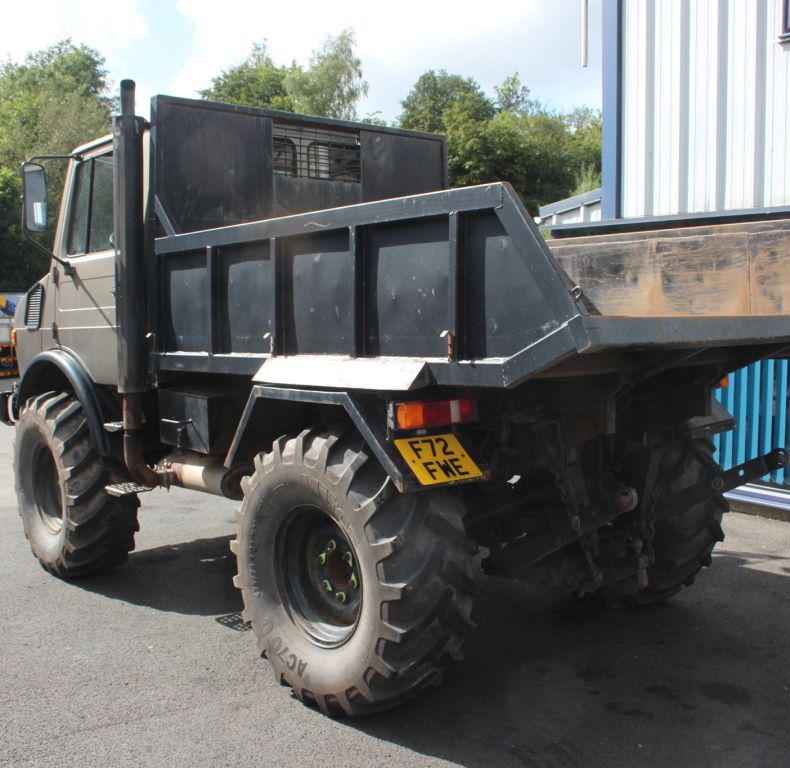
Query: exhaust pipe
{"x": 204, "y": 473}
{"x": 133, "y": 445}
{"x": 130, "y": 293}
{"x": 130, "y": 288}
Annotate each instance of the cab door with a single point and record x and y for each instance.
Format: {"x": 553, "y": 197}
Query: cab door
{"x": 85, "y": 321}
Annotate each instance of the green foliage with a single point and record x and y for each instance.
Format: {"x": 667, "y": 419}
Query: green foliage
{"x": 513, "y": 96}
{"x": 584, "y": 128}
{"x": 374, "y": 118}
{"x": 513, "y": 138}
{"x": 331, "y": 86}
{"x": 257, "y": 81}
{"x": 435, "y": 94}
{"x": 54, "y": 100}
{"x": 14, "y": 257}
{"x": 586, "y": 179}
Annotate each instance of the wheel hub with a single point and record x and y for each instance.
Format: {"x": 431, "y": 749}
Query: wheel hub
{"x": 337, "y": 565}
{"x": 320, "y": 581}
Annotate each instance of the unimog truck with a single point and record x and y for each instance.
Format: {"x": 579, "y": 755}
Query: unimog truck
{"x": 399, "y": 382}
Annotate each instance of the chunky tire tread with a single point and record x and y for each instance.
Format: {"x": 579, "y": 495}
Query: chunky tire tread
{"x": 423, "y": 565}
{"x": 683, "y": 542}
{"x": 97, "y": 529}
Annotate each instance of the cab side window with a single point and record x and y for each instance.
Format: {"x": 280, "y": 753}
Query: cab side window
{"x": 91, "y": 223}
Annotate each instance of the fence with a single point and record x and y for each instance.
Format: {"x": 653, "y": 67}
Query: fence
{"x": 757, "y": 396}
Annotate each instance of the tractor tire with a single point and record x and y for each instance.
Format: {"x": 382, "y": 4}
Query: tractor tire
{"x": 74, "y": 527}
{"x": 683, "y": 540}
{"x": 359, "y": 596}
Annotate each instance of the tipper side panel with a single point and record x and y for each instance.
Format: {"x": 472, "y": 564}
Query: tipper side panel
{"x": 448, "y": 277}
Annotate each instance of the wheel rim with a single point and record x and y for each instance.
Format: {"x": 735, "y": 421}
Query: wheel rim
{"x": 46, "y": 489}
{"x": 319, "y": 579}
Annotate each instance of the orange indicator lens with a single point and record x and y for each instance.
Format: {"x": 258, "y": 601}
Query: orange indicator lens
{"x": 435, "y": 413}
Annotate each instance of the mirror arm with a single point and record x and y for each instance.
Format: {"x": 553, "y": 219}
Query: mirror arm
{"x": 68, "y": 267}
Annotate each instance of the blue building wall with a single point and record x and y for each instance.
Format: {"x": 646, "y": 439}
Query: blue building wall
{"x": 757, "y": 396}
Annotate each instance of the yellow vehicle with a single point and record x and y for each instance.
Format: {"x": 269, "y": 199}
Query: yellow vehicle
{"x": 8, "y": 362}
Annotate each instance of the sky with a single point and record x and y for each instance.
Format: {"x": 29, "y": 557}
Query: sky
{"x": 175, "y": 47}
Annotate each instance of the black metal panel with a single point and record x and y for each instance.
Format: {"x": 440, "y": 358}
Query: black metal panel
{"x": 200, "y": 418}
{"x": 401, "y": 209}
{"x": 400, "y": 165}
{"x": 407, "y": 268}
{"x": 214, "y": 164}
{"x": 367, "y": 418}
{"x": 201, "y": 362}
{"x": 185, "y": 307}
{"x": 213, "y": 167}
{"x": 295, "y": 195}
{"x": 317, "y": 293}
{"x": 505, "y": 309}
{"x": 246, "y": 313}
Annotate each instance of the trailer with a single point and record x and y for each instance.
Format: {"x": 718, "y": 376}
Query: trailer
{"x": 401, "y": 384}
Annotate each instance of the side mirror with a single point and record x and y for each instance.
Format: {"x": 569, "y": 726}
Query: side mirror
{"x": 34, "y": 187}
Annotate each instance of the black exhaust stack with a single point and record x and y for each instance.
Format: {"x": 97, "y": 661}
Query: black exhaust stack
{"x": 130, "y": 294}
{"x": 130, "y": 288}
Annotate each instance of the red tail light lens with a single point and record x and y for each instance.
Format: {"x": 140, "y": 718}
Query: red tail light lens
{"x": 435, "y": 413}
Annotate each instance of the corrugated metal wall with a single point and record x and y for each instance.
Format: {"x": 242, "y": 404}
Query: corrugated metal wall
{"x": 705, "y": 117}
{"x": 757, "y": 396}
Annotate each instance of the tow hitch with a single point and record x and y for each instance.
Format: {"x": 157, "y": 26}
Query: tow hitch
{"x": 717, "y": 482}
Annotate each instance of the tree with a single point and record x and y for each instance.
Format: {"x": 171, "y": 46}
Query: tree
{"x": 585, "y": 129}
{"x": 435, "y": 93}
{"x": 514, "y": 138}
{"x": 54, "y": 100}
{"x": 513, "y": 96}
{"x": 331, "y": 86}
{"x": 256, "y": 81}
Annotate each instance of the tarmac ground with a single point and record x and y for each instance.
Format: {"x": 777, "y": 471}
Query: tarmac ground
{"x": 150, "y": 665}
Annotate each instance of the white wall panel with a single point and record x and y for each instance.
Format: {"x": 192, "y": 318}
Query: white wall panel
{"x": 706, "y": 106}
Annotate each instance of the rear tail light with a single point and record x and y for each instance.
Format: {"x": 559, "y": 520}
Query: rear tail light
{"x": 434, "y": 413}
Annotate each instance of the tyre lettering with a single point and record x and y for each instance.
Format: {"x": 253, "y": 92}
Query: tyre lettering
{"x": 279, "y": 649}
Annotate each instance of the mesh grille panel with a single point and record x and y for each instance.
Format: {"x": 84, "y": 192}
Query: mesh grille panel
{"x": 307, "y": 153}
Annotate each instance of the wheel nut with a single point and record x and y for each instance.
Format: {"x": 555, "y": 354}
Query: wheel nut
{"x": 322, "y": 558}
{"x": 327, "y": 585}
{"x": 341, "y": 596}
{"x": 353, "y": 581}
{"x": 348, "y": 558}
{"x": 331, "y": 545}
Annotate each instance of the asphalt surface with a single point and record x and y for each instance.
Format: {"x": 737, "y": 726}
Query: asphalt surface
{"x": 149, "y": 666}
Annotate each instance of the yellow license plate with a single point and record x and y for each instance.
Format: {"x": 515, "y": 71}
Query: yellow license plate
{"x": 437, "y": 459}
